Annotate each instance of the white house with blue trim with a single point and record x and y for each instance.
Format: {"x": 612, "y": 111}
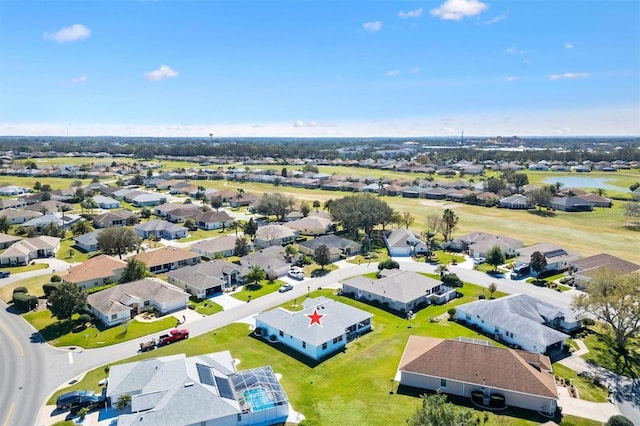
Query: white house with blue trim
{"x": 106, "y": 202}
{"x": 339, "y": 324}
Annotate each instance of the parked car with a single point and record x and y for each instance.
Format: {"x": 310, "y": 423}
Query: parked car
{"x": 296, "y": 272}
{"x": 479, "y": 260}
{"x": 520, "y": 271}
{"x": 285, "y": 288}
{"x": 4, "y": 274}
{"x": 78, "y": 399}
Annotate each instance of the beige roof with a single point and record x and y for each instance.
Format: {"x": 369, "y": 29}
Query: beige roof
{"x": 590, "y": 265}
{"x": 102, "y": 266}
{"x": 114, "y": 299}
{"x": 483, "y": 365}
{"x": 11, "y": 213}
{"x": 29, "y": 245}
{"x": 6, "y": 238}
{"x": 165, "y": 255}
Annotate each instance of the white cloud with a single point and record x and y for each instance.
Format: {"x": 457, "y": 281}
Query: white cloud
{"x": 456, "y": 10}
{"x": 410, "y": 14}
{"x": 515, "y": 51}
{"x": 300, "y": 123}
{"x": 372, "y": 27}
{"x": 498, "y": 18}
{"x": 568, "y": 45}
{"x": 511, "y": 78}
{"x": 161, "y": 73}
{"x": 568, "y": 75}
{"x": 392, "y": 73}
{"x": 79, "y": 80}
{"x": 68, "y": 34}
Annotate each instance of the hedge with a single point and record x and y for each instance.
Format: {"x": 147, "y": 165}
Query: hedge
{"x": 20, "y": 290}
{"x": 25, "y": 301}
{"x": 49, "y": 288}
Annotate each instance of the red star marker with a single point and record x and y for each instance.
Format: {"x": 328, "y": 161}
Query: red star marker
{"x": 315, "y": 317}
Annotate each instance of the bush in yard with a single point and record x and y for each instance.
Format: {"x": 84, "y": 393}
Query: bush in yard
{"x": 49, "y": 288}
{"x": 55, "y": 278}
{"x": 588, "y": 322}
{"x": 84, "y": 318}
{"x": 451, "y": 280}
{"x": 25, "y": 301}
{"x": 618, "y": 421}
{"x": 388, "y": 264}
{"x": 20, "y": 290}
{"x": 452, "y": 313}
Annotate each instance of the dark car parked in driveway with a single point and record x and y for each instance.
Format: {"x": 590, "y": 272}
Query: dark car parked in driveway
{"x": 4, "y": 274}
{"x": 77, "y": 400}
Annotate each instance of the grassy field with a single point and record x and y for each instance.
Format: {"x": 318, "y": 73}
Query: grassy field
{"x": 601, "y": 353}
{"x": 60, "y": 334}
{"x": 33, "y": 285}
{"x": 351, "y": 387}
{"x": 255, "y": 290}
{"x": 587, "y": 390}
{"x": 205, "y": 306}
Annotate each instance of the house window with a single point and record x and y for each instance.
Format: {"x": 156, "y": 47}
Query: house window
{"x": 281, "y": 333}
{"x": 324, "y": 345}
{"x": 182, "y": 263}
{"x": 146, "y": 303}
{"x": 443, "y": 383}
{"x": 114, "y": 316}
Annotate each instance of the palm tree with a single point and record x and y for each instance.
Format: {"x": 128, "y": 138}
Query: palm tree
{"x": 239, "y": 194}
{"x": 442, "y": 270}
{"x": 256, "y": 274}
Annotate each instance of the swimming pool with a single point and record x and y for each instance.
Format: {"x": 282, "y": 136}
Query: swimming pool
{"x": 258, "y": 399}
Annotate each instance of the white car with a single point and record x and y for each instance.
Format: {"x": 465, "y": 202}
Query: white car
{"x": 296, "y": 272}
{"x": 479, "y": 260}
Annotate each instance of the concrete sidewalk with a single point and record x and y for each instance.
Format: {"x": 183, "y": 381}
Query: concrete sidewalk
{"x": 599, "y": 411}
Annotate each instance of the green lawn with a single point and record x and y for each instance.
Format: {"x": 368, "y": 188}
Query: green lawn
{"x": 33, "y": 285}
{"x": 445, "y": 258}
{"x": 255, "y": 290}
{"x": 71, "y": 254}
{"x": 61, "y": 334}
{"x": 602, "y": 353}
{"x": 587, "y": 390}
{"x": 25, "y": 268}
{"x": 349, "y": 388}
{"x": 205, "y": 306}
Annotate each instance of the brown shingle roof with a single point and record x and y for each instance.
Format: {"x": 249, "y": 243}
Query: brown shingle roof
{"x": 165, "y": 255}
{"x": 102, "y": 266}
{"x": 475, "y": 363}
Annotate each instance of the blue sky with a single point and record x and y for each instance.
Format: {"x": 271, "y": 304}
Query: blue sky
{"x": 320, "y": 68}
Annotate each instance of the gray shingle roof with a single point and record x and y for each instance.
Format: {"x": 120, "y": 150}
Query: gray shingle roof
{"x": 331, "y": 241}
{"x": 338, "y": 317}
{"x": 145, "y": 289}
{"x": 205, "y": 275}
{"x": 403, "y": 286}
{"x": 522, "y": 315}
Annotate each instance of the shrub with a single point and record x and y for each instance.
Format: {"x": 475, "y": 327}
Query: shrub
{"x": 55, "y": 278}
{"x": 452, "y": 313}
{"x": 20, "y": 290}
{"x": 452, "y": 280}
{"x": 618, "y": 421}
{"x": 49, "y": 288}
{"x": 388, "y": 264}
{"x": 25, "y": 301}
{"x": 497, "y": 401}
{"x": 588, "y": 322}
{"x": 84, "y": 318}
{"x": 477, "y": 397}
{"x": 482, "y": 297}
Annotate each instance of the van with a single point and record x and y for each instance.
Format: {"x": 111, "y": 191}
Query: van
{"x": 520, "y": 271}
{"x": 76, "y": 400}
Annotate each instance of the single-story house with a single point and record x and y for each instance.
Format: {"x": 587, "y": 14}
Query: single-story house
{"x": 10, "y": 190}
{"x": 115, "y": 218}
{"x": 521, "y": 320}
{"x": 106, "y": 202}
{"x": 88, "y": 242}
{"x": 161, "y": 229}
{"x": 585, "y": 269}
{"x": 274, "y": 235}
{"x": 245, "y": 200}
{"x": 167, "y": 259}
{"x": 311, "y": 225}
{"x": 338, "y": 247}
{"x": 271, "y": 259}
{"x": 17, "y": 217}
{"x": 225, "y": 195}
{"x": 558, "y": 259}
{"x": 7, "y": 240}
{"x": 207, "y": 278}
{"x": 122, "y": 302}
{"x": 6, "y": 203}
{"x": 477, "y": 244}
{"x": 402, "y": 242}
{"x": 148, "y": 200}
{"x": 181, "y": 213}
{"x": 164, "y": 209}
{"x": 199, "y": 390}
{"x": 97, "y": 271}
{"x": 49, "y": 206}
{"x": 401, "y": 291}
{"x": 219, "y": 246}
{"x": 597, "y": 200}
{"x": 516, "y": 201}
{"x": 465, "y": 368}
{"x": 212, "y": 220}
{"x": 63, "y": 221}
{"x": 571, "y": 204}
{"x": 337, "y": 325}
{"x": 22, "y": 252}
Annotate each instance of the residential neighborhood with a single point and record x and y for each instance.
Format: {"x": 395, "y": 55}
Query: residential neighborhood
{"x": 441, "y": 297}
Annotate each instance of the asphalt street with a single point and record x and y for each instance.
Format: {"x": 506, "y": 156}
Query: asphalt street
{"x": 33, "y": 369}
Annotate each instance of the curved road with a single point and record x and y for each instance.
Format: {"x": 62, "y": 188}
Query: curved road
{"x": 33, "y": 369}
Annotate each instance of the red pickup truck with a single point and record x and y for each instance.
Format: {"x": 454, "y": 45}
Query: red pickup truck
{"x": 174, "y": 336}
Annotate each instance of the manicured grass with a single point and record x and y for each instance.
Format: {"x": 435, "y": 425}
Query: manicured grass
{"x": 33, "y": 285}
{"x": 587, "y": 390}
{"x": 445, "y": 258}
{"x": 375, "y": 256}
{"x": 255, "y": 290}
{"x": 26, "y": 268}
{"x": 205, "y": 306}
{"x": 202, "y": 234}
{"x": 60, "y": 334}
{"x": 602, "y": 352}
{"x": 67, "y": 247}
{"x": 352, "y": 387}
{"x": 315, "y": 270}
